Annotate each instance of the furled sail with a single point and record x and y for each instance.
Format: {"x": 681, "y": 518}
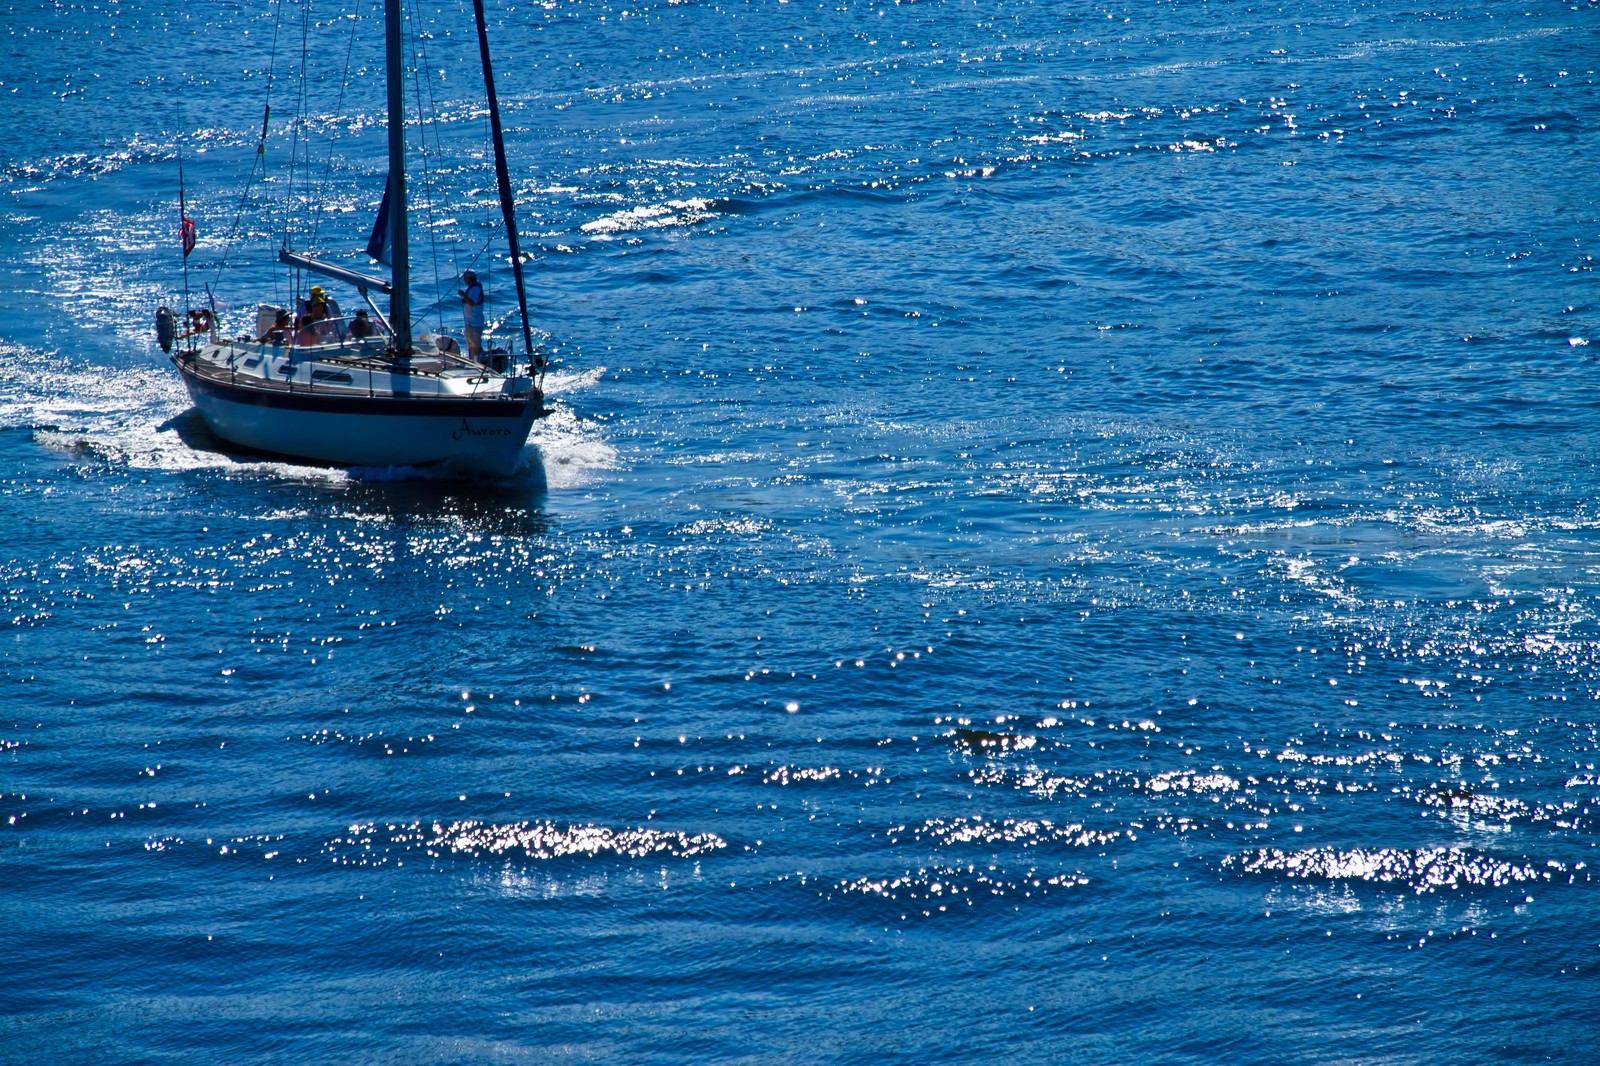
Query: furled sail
{"x": 378, "y": 243}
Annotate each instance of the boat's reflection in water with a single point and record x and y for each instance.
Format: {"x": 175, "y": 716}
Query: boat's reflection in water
{"x": 508, "y": 507}
{"x": 407, "y": 496}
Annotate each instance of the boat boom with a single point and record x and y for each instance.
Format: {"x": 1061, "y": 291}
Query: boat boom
{"x": 363, "y": 282}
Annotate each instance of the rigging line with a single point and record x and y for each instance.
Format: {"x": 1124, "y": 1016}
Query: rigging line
{"x": 344, "y": 85}
{"x": 455, "y": 245}
{"x": 433, "y": 131}
{"x": 426, "y": 125}
{"x": 485, "y": 251}
{"x": 436, "y": 132}
{"x": 502, "y": 176}
{"x": 297, "y": 127}
{"x": 183, "y": 230}
{"x": 234, "y": 234}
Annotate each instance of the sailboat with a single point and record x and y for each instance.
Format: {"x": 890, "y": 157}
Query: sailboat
{"x": 363, "y": 391}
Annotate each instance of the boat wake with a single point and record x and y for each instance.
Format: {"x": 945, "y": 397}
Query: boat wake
{"x": 568, "y": 451}
{"x": 128, "y": 416}
{"x": 140, "y": 418}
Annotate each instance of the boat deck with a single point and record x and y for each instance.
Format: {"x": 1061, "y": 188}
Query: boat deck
{"x": 346, "y": 370}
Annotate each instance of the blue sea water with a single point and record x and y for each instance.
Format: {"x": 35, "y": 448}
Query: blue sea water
{"x": 1068, "y": 534}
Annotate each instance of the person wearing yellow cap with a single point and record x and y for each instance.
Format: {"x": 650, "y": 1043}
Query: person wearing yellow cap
{"x": 315, "y": 306}
{"x": 318, "y": 308}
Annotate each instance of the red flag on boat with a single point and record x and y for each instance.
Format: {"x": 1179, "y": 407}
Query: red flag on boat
{"x": 187, "y": 233}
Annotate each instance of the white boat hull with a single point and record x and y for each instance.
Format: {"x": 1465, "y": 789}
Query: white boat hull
{"x": 385, "y": 417}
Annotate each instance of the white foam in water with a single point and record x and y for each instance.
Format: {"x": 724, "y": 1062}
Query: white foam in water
{"x": 71, "y": 404}
{"x": 133, "y": 415}
{"x": 571, "y": 450}
{"x": 651, "y": 216}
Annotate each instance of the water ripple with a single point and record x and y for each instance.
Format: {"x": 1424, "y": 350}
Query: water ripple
{"x": 369, "y": 844}
{"x": 1421, "y": 870}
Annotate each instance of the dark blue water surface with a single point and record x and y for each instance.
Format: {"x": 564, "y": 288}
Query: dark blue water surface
{"x": 1069, "y": 534}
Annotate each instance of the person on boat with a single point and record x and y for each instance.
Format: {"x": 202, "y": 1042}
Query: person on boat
{"x": 472, "y": 313}
{"x": 200, "y": 322}
{"x": 361, "y": 326}
{"x": 323, "y": 312}
{"x": 305, "y": 333}
{"x": 315, "y": 306}
{"x": 279, "y": 332}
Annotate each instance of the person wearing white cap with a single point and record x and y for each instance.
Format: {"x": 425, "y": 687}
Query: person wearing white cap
{"x": 472, "y": 313}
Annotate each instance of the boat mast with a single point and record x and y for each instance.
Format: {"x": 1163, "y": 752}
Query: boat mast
{"x": 399, "y": 253}
{"x": 502, "y": 178}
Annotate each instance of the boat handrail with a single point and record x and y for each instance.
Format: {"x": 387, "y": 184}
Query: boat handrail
{"x": 194, "y": 365}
